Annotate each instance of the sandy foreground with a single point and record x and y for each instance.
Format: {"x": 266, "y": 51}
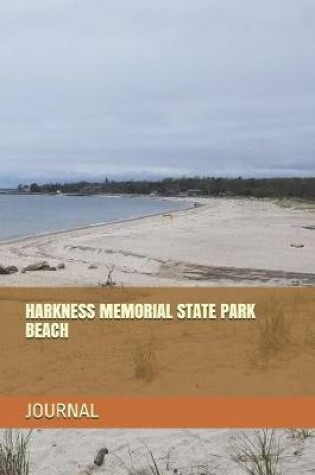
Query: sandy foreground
{"x": 223, "y": 242}
{"x": 186, "y": 452}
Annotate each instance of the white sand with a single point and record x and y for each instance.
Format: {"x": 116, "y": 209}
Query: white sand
{"x": 191, "y": 452}
{"x": 242, "y": 238}
{"x": 224, "y": 242}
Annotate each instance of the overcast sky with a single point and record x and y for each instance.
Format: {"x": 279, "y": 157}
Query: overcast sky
{"x": 131, "y": 88}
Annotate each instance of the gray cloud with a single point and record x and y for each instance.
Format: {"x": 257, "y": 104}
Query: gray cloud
{"x": 125, "y": 88}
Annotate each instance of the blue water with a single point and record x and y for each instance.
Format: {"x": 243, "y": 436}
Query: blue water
{"x": 27, "y": 215}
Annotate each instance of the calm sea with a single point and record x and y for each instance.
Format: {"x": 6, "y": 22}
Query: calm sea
{"x": 27, "y": 215}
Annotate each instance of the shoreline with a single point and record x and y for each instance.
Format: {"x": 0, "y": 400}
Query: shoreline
{"x": 44, "y": 234}
{"x": 221, "y": 242}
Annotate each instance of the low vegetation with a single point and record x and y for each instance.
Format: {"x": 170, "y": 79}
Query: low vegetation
{"x": 144, "y": 361}
{"x": 14, "y": 456}
{"x": 303, "y": 188}
{"x": 274, "y": 327}
{"x": 257, "y": 452}
{"x": 302, "y": 434}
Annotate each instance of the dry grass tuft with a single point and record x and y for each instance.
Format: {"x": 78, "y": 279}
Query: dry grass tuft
{"x": 309, "y": 339}
{"x": 144, "y": 361}
{"x": 274, "y": 328}
{"x": 302, "y": 434}
{"x": 14, "y": 457}
{"x": 257, "y": 452}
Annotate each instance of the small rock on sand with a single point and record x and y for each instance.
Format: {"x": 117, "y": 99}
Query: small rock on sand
{"x": 8, "y": 270}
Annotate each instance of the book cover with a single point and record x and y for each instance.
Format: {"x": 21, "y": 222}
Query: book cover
{"x": 157, "y": 205}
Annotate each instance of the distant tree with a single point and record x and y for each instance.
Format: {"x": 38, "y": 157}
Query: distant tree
{"x": 35, "y": 188}
{"x": 211, "y": 186}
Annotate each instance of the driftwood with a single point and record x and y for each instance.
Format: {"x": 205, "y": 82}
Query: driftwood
{"x": 43, "y": 265}
{"x": 109, "y": 281}
{"x": 99, "y": 459}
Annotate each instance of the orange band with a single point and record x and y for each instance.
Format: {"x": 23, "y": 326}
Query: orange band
{"x": 165, "y": 412}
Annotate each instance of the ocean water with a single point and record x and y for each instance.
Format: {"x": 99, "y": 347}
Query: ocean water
{"x": 26, "y": 215}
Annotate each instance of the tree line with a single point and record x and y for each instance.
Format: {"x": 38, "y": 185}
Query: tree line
{"x": 203, "y": 186}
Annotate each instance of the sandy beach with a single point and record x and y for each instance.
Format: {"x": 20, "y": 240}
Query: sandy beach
{"x": 186, "y": 452}
{"x": 223, "y": 241}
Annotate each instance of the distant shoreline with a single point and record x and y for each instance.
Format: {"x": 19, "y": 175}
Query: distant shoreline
{"x": 45, "y": 234}
{"x": 192, "y": 186}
